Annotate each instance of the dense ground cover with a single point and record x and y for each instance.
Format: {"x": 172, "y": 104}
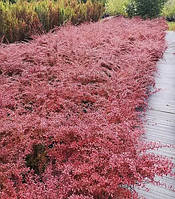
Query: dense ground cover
{"x": 70, "y": 111}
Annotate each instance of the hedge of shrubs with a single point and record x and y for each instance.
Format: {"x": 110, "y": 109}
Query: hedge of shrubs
{"x": 20, "y": 19}
{"x": 149, "y": 8}
{"x": 130, "y": 8}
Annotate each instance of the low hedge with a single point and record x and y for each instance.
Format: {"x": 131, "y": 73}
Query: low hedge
{"x": 20, "y": 19}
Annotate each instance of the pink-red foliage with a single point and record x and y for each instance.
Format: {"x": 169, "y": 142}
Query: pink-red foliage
{"x": 70, "y": 111}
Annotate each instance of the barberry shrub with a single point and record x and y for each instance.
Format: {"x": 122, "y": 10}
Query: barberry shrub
{"x": 70, "y": 120}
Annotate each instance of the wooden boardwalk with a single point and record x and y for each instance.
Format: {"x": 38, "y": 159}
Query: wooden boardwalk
{"x": 160, "y": 124}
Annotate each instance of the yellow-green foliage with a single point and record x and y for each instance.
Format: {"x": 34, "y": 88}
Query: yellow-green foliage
{"x": 78, "y": 12}
{"x": 48, "y": 13}
{"x": 27, "y": 21}
{"x": 3, "y": 17}
{"x": 73, "y": 11}
{"x": 17, "y": 21}
{"x": 169, "y": 9}
{"x": 20, "y": 20}
{"x": 171, "y": 26}
{"x": 95, "y": 10}
{"x": 116, "y": 7}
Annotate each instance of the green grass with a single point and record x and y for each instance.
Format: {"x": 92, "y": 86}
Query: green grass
{"x": 171, "y": 26}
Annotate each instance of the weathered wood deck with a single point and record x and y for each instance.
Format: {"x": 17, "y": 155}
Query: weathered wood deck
{"x": 161, "y": 115}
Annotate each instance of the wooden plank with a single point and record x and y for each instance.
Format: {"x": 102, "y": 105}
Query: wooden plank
{"x": 160, "y": 125}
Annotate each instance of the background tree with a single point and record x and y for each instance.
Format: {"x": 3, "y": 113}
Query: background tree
{"x": 149, "y": 8}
